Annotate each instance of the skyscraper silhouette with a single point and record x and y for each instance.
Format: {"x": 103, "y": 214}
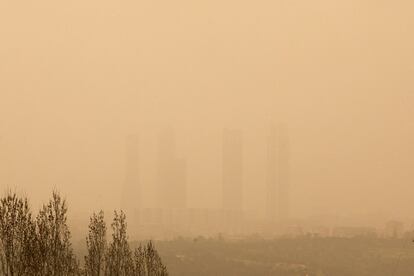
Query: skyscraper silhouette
{"x": 271, "y": 175}
{"x": 277, "y": 174}
{"x": 179, "y": 198}
{"x": 283, "y": 173}
{"x": 132, "y": 191}
{"x": 232, "y": 170}
{"x": 171, "y": 173}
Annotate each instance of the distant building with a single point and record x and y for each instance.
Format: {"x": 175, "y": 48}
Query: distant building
{"x": 179, "y": 199}
{"x": 131, "y": 198}
{"x": 277, "y": 175}
{"x": 271, "y": 175}
{"x": 232, "y": 177}
{"x": 319, "y": 231}
{"x": 394, "y": 229}
{"x": 171, "y": 173}
{"x": 349, "y": 232}
{"x": 283, "y": 173}
{"x": 232, "y": 170}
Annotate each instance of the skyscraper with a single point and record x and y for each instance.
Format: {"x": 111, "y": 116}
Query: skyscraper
{"x": 277, "y": 174}
{"x": 132, "y": 191}
{"x": 171, "y": 173}
{"x": 283, "y": 169}
{"x": 179, "y": 197}
{"x": 271, "y": 175}
{"x": 232, "y": 170}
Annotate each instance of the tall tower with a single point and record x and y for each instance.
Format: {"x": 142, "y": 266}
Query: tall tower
{"x": 232, "y": 170}
{"x": 131, "y": 200}
{"x": 283, "y": 173}
{"x": 171, "y": 173}
{"x": 277, "y": 174}
{"x": 271, "y": 175}
{"x": 179, "y": 199}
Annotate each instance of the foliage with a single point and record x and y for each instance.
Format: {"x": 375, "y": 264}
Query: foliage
{"x": 148, "y": 262}
{"x": 153, "y": 262}
{"x": 139, "y": 262}
{"x": 96, "y": 245}
{"x": 55, "y": 249}
{"x": 119, "y": 260}
{"x": 16, "y": 236}
{"x": 42, "y": 246}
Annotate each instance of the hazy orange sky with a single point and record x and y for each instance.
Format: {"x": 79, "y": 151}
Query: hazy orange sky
{"x": 77, "y": 78}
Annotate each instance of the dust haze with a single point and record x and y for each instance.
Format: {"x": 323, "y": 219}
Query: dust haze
{"x": 97, "y": 96}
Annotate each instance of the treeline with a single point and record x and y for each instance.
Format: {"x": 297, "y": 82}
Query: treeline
{"x": 40, "y": 245}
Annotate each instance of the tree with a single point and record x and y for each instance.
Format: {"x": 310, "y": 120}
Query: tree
{"x": 96, "y": 245}
{"x": 55, "y": 250}
{"x": 17, "y": 236}
{"x": 147, "y": 262}
{"x": 42, "y": 246}
{"x": 153, "y": 262}
{"x": 3, "y": 267}
{"x": 140, "y": 268}
{"x": 119, "y": 261}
